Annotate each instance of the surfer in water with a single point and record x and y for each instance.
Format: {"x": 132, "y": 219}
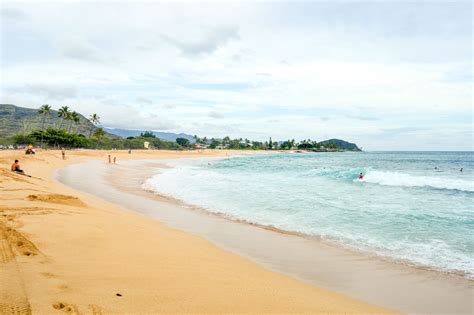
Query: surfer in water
{"x": 361, "y": 176}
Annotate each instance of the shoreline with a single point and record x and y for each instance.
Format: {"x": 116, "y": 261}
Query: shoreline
{"x": 358, "y": 251}
{"x": 412, "y": 277}
{"x": 64, "y": 250}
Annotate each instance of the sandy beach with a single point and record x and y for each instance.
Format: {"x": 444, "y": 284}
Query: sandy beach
{"x": 67, "y": 251}
{"x": 394, "y": 285}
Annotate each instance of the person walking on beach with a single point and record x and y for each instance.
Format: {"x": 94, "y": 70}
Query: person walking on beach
{"x": 110, "y": 159}
{"x": 63, "y": 153}
{"x": 16, "y": 167}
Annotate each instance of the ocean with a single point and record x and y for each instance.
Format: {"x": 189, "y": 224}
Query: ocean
{"x": 411, "y": 207}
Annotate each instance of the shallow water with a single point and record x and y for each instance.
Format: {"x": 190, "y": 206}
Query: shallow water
{"x": 403, "y": 210}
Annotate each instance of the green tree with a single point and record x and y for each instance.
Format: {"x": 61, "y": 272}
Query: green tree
{"x": 99, "y": 133}
{"x": 73, "y": 119}
{"x": 214, "y": 143}
{"x": 226, "y": 140}
{"x": 59, "y": 137}
{"x": 147, "y": 134}
{"x": 183, "y": 142}
{"x": 22, "y": 139}
{"x": 95, "y": 120}
{"x": 63, "y": 113}
{"x": 45, "y": 111}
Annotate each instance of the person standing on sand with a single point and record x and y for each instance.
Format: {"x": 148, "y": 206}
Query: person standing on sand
{"x": 63, "y": 153}
{"x": 115, "y": 159}
{"x": 110, "y": 161}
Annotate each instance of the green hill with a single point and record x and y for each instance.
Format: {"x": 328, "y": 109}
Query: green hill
{"x": 21, "y": 120}
{"x": 340, "y": 144}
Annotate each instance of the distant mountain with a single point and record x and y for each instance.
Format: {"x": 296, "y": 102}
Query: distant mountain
{"x": 341, "y": 144}
{"x": 15, "y": 119}
{"x": 169, "y": 136}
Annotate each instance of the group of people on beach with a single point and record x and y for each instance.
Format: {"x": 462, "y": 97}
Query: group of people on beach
{"x": 110, "y": 159}
{"x": 17, "y": 168}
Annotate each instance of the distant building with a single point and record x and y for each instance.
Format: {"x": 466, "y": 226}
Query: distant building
{"x": 201, "y": 146}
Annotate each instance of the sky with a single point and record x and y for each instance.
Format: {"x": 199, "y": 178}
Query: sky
{"x": 387, "y": 75}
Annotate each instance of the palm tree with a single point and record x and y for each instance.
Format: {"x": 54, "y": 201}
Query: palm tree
{"x": 95, "y": 120}
{"x": 44, "y": 110}
{"x": 99, "y": 133}
{"x": 76, "y": 120}
{"x": 63, "y": 113}
{"x": 73, "y": 118}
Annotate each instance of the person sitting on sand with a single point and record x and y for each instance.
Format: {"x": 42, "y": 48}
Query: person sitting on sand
{"x": 16, "y": 167}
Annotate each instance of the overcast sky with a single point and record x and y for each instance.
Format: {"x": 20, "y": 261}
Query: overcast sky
{"x": 386, "y": 75}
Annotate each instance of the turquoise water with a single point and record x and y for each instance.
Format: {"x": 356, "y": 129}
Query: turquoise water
{"x": 404, "y": 209}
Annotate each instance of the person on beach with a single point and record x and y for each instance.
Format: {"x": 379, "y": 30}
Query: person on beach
{"x": 16, "y": 167}
{"x": 63, "y": 153}
{"x": 110, "y": 159}
{"x": 115, "y": 159}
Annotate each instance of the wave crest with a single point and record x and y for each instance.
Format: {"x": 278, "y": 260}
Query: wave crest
{"x": 406, "y": 180}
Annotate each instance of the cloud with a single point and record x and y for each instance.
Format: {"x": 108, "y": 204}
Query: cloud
{"x": 77, "y": 48}
{"x": 362, "y": 117}
{"x": 461, "y": 74}
{"x": 286, "y": 69}
{"x": 207, "y": 44}
{"x": 45, "y": 91}
{"x": 214, "y": 114}
{"x": 231, "y": 86}
{"x": 13, "y": 14}
{"x": 144, "y": 100}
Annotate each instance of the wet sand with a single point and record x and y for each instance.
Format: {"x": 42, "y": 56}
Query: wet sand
{"x": 371, "y": 279}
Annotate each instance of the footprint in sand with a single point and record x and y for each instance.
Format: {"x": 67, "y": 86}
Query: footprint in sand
{"x": 66, "y": 308}
{"x": 16, "y": 309}
{"x": 17, "y": 241}
{"x": 13, "y": 299}
{"x": 96, "y": 310}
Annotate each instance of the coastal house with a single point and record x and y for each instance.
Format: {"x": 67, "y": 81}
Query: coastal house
{"x": 201, "y": 146}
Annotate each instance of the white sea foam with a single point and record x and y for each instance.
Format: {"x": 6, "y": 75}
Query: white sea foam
{"x": 406, "y": 180}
